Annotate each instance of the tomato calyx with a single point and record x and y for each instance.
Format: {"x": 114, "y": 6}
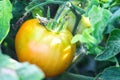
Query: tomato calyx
{"x": 59, "y": 22}
{"x": 54, "y": 25}
{"x": 43, "y": 21}
{"x": 48, "y": 24}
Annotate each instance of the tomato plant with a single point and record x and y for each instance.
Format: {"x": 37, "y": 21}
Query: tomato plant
{"x": 51, "y": 51}
{"x": 69, "y": 39}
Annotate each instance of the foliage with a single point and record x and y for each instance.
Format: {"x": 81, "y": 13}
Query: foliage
{"x": 98, "y": 47}
{"x": 108, "y": 74}
{"x": 112, "y": 46}
{"x": 5, "y": 17}
{"x": 12, "y": 70}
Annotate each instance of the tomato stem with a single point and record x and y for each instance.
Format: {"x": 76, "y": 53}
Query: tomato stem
{"x": 44, "y": 3}
{"x": 19, "y": 21}
{"x": 61, "y": 25}
{"x": 48, "y": 13}
{"x": 76, "y": 24}
{"x": 78, "y": 9}
{"x": 77, "y": 17}
{"x": 56, "y": 19}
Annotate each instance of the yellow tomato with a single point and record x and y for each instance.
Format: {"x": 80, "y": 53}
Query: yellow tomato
{"x": 51, "y": 51}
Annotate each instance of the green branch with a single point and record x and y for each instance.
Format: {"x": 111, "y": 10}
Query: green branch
{"x": 56, "y": 19}
{"x": 42, "y": 4}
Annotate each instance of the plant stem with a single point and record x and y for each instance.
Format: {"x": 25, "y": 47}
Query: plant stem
{"x": 56, "y": 19}
{"x": 78, "y": 9}
{"x": 77, "y": 18}
{"x": 59, "y": 11}
{"x": 19, "y": 21}
{"x": 76, "y": 76}
{"x": 44, "y": 3}
{"x": 117, "y": 63}
{"x": 61, "y": 25}
{"x": 48, "y": 13}
{"x": 76, "y": 24}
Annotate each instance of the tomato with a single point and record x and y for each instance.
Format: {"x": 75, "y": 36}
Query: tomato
{"x": 51, "y": 51}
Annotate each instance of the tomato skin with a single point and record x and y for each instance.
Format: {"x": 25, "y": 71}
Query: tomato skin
{"x": 51, "y": 51}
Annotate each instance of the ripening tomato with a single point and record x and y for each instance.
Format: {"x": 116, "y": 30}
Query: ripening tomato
{"x": 49, "y": 50}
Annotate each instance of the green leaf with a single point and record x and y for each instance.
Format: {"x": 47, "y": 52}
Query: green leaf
{"x": 5, "y": 17}
{"x": 111, "y": 73}
{"x": 93, "y": 36}
{"x": 92, "y": 3}
{"x": 29, "y": 72}
{"x": 38, "y": 10}
{"x": 71, "y": 76}
{"x": 112, "y": 47}
{"x": 113, "y": 59}
{"x": 8, "y": 74}
{"x": 104, "y": 0}
{"x": 117, "y": 1}
{"x": 98, "y": 18}
{"x": 24, "y": 71}
{"x": 6, "y": 61}
{"x": 115, "y": 16}
{"x": 76, "y": 38}
{"x": 85, "y": 37}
